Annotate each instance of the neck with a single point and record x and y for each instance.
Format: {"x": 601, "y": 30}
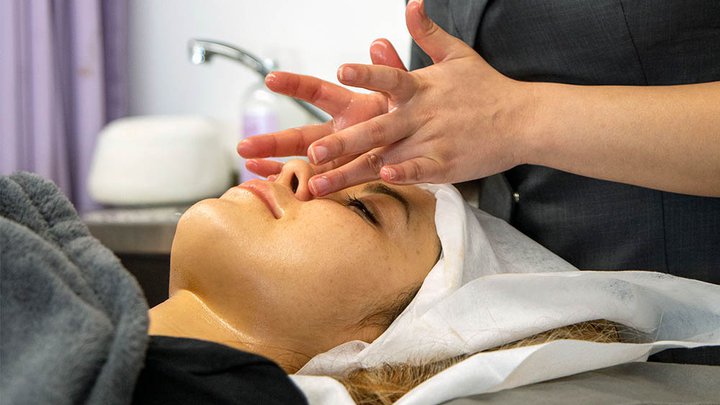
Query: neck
{"x": 185, "y": 314}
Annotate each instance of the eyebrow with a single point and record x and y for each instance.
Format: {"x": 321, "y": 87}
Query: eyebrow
{"x": 379, "y": 188}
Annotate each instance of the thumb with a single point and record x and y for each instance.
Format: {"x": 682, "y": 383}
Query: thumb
{"x": 432, "y": 39}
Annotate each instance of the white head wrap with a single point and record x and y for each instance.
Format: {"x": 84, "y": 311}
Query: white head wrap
{"x": 493, "y": 285}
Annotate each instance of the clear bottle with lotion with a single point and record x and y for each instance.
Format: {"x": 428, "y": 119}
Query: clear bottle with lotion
{"x": 260, "y": 116}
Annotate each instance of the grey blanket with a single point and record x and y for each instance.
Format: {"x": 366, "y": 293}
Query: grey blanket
{"x": 73, "y": 322}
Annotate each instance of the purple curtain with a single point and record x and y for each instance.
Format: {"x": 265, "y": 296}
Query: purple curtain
{"x": 63, "y": 75}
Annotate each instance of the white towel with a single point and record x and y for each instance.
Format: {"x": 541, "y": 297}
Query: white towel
{"x": 493, "y": 285}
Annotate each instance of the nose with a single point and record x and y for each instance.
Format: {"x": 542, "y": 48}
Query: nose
{"x": 295, "y": 175}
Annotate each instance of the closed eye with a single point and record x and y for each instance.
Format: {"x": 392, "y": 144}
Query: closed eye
{"x": 358, "y": 206}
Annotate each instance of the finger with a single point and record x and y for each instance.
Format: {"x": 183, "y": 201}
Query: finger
{"x": 328, "y": 97}
{"x": 437, "y": 43}
{"x": 417, "y": 170}
{"x": 362, "y": 169}
{"x": 398, "y": 84}
{"x": 382, "y": 52}
{"x": 289, "y": 142}
{"x": 333, "y": 164}
{"x": 359, "y": 138}
{"x": 264, "y": 167}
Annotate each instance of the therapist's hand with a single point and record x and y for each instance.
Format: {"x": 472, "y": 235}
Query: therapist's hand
{"x": 346, "y": 108}
{"x": 456, "y": 120}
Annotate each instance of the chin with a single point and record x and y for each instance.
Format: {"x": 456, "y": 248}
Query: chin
{"x": 211, "y": 234}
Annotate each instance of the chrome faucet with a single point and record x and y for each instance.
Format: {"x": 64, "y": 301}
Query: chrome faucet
{"x": 201, "y": 51}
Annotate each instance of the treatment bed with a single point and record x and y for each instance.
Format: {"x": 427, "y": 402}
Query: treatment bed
{"x": 631, "y": 383}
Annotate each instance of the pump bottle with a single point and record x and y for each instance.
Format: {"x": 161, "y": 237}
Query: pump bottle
{"x": 260, "y": 116}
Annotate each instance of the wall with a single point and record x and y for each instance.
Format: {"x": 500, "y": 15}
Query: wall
{"x": 310, "y": 37}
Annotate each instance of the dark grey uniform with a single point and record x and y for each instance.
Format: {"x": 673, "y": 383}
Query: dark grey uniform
{"x": 591, "y": 223}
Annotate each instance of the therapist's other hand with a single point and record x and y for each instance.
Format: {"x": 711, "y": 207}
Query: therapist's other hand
{"x": 456, "y": 120}
{"x": 345, "y": 106}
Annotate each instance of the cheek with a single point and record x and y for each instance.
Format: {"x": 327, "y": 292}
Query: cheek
{"x": 340, "y": 256}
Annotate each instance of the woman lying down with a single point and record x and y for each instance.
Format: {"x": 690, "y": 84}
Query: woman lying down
{"x": 388, "y": 290}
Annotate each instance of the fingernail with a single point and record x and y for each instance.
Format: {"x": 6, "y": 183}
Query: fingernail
{"x": 251, "y": 164}
{"x": 242, "y": 147}
{"x": 319, "y": 153}
{"x": 427, "y": 23}
{"x": 376, "y": 53}
{"x": 348, "y": 74}
{"x": 421, "y": 5}
{"x": 388, "y": 173}
{"x": 380, "y": 42}
{"x": 319, "y": 185}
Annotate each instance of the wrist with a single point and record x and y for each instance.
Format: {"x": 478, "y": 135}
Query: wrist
{"x": 538, "y": 136}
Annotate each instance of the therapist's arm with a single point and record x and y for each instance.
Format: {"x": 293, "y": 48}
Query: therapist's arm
{"x": 661, "y": 137}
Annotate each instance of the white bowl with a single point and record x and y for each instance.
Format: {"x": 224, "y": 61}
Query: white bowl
{"x": 159, "y": 160}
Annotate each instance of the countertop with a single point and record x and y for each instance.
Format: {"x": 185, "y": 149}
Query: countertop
{"x": 135, "y": 230}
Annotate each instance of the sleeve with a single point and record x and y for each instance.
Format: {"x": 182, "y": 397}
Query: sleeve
{"x": 418, "y": 58}
{"x": 191, "y": 371}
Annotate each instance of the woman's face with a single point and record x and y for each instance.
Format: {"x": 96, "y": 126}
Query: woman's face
{"x": 269, "y": 257}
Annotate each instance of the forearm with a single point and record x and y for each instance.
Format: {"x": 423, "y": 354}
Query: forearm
{"x": 661, "y": 137}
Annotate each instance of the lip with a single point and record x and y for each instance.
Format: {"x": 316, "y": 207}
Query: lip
{"x": 266, "y": 193}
